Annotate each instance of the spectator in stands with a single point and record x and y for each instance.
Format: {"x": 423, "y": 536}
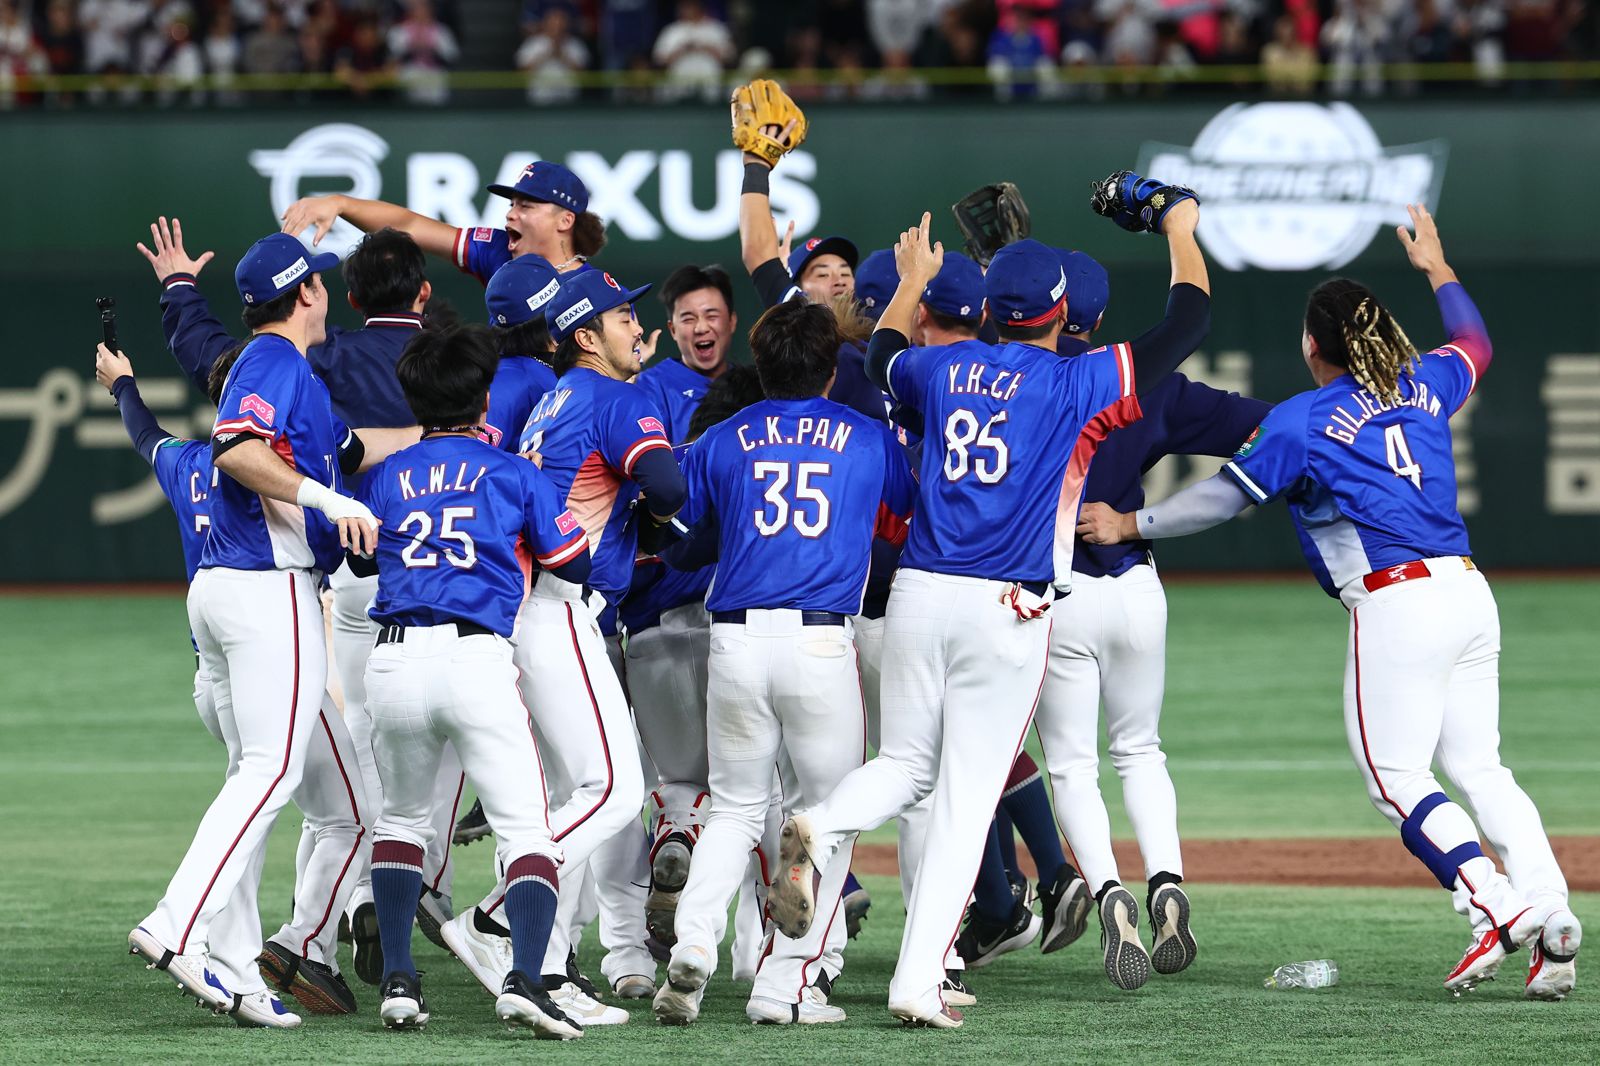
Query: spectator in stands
{"x": 897, "y": 27}
{"x": 843, "y": 27}
{"x": 222, "y": 54}
{"x": 108, "y": 34}
{"x": 1130, "y": 39}
{"x": 425, "y": 49}
{"x": 1424, "y": 33}
{"x": 316, "y": 48}
{"x": 271, "y": 49}
{"x": 693, "y": 51}
{"x": 1480, "y": 27}
{"x": 168, "y": 50}
{"x": 18, "y": 54}
{"x": 1288, "y": 63}
{"x": 1357, "y": 38}
{"x": 1535, "y": 29}
{"x": 364, "y": 64}
{"x": 627, "y": 30}
{"x": 1018, "y": 60}
{"x": 60, "y": 40}
{"x": 552, "y": 57}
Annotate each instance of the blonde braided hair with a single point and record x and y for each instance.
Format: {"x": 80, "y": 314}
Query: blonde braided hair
{"x": 1354, "y": 330}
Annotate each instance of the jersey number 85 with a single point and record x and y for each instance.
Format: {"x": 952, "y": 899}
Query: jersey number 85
{"x": 963, "y": 438}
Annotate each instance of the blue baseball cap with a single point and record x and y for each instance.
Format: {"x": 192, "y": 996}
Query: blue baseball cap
{"x": 957, "y": 290}
{"x": 876, "y": 279}
{"x": 549, "y": 183}
{"x": 582, "y": 297}
{"x": 520, "y": 289}
{"x": 276, "y": 264}
{"x": 1088, "y": 290}
{"x": 809, "y": 250}
{"x": 1025, "y": 284}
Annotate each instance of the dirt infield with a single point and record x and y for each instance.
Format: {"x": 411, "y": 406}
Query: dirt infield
{"x": 1358, "y": 862}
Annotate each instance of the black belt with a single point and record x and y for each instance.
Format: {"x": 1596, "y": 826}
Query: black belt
{"x": 397, "y": 634}
{"x": 807, "y": 618}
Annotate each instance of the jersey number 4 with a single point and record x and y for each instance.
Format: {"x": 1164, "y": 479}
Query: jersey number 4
{"x": 962, "y": 439}
{"x": 782, "y": 513}
{"x": 1400, "y": 461}
{"x": 417, "y": 559}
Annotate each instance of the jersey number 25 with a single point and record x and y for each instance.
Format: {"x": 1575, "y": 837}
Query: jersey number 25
{"x": 782, "y": 513}
{"x": 417, "y": 559}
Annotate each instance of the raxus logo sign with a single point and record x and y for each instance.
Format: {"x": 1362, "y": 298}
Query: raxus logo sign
{"x": 1296, "y": 186}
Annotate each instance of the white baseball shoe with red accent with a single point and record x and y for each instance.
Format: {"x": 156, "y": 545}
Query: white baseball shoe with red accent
{"x": 792, "y": 903}
{"x": 1488, "y": 950}
{"x": 1553, "y": 970}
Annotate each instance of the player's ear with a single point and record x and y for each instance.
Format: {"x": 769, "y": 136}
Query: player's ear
{"x": 350, "y": 298}
{"x": 565, "y": 223}
{"x": 425, "y": 293}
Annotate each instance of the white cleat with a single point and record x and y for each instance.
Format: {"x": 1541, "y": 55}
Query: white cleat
{"x": 678, "y": 1001}
{"x": 955, "y": 992}
{"x": 262, "y": 1010}
{"x": 191, "y": 972}
{"x": 1553, "y": 970}
{"x": 584, "y": 1009}
{"x": 1488, "y": 950}
{"x": 813, "y": 1009}
{"x": 635, "y": 986}
{"x": 912, "y": 1017}
{"x": 486, "y": 955}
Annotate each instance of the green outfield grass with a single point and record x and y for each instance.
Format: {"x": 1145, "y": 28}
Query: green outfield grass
{"x": 104, "y": 772}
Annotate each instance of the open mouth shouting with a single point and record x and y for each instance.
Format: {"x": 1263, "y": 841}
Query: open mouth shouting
{"x": 513, "y": 239}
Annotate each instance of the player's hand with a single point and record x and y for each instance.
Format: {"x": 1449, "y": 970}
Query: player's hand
{"x": 359, "y": 535}
{"x": 786, "y": 243}
{"x": 168, "y": 257}
{"x": 1181, "y": 219}
{"x": 647, "y": 348}
{"x": 109, "y": 366}
{"x": 319, "y": 211}
{"x": 915, "y": 257}
{"x": 1423, "y": 248}
{"x": 1098, "y": 523}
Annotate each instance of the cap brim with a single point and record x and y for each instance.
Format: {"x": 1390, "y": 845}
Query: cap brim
{"x": 322, "y": 261}
{"x": 838, "y": 246}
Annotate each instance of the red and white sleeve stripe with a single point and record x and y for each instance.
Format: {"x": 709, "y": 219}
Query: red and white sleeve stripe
{"x": 566, "y": 553}
{"x": 459, "y": 253}
{"x": 631, "y": 456}
{"x": 1124, "y": 354}
{"x": 1472, "y": 367}
{"x": 242, "y": 424}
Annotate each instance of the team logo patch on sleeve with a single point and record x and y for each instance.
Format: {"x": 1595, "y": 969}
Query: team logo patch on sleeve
{"x": 483, "y": 234}
{"x": 565, "y": 523}
{"x": 490, "y": 434}
{"x": 1249, "y": 444}
{"x": 253, "y": 404}
{"x": 652, "y": 425}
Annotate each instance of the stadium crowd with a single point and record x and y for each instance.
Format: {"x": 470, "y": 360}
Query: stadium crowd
{"x": 671, "y": 50}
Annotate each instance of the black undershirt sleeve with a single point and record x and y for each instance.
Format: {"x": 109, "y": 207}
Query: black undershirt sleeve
{"x": 884, "y": 345}
{"x": 1159, "y": 350}
{"x": 772, "y": 282}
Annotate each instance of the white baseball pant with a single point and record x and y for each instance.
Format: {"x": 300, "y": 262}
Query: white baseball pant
{"x": 961, "y": 676}
{"x": 436, "y": 686}
{"x": 666, "y": 666}
{"x": 585, "y": 733}
{"x": 1422, "y": 682}
{"x": 261, "y": 642}
{"x": 1108, "y": 644}
{"x": 353, "y": 634}
{"x": 775, "y": 687}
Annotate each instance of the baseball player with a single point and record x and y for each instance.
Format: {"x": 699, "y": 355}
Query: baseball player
{"x": 455, "y": 513}
{"x": 516, "y": 297}
{"x": 702, "y": 323}
{"x": 388, "y": 285}
{"x": 548, "y": 216}
{"x": 602, "y": 443}
{"x": 301, "y": 958}
{"x": 968, "y": 623}
{"x": 277, "y": 520}
{"x": 1364, "y": 461}
{"x": 788, "y": 495}
{"x": 1108, "y": 646}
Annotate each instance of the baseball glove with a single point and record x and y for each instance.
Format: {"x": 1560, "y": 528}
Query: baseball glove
{"x": 760, "y": 104}
{"x": 990, "y": 218}
{"x": 1136, "y": 203}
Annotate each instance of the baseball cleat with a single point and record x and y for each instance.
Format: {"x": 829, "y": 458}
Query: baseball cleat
{"x": 857, "y": 903}
{"x": 1174, "y": 947}
{"x": 1553, "y": 970}
{"x": 486, "y": 955}
{"x": 912, "y": 1017}
{"x": 191, "y": 972}
{"x": 1488, "y": 950}
{"x": 433, "y": 910}
{"x": 984, "y": 941}
{"x": 1127, "y": 963}
{"x": 792, "y": 903}
{"x": 576, "y": 976}
{"x": 403, "y": 1006}
{"x": 955, "y": 991}
{"x": 368, "y": 951}
{"x": 1066, "y": 901}
{"x": 522, "y": 1003}
{"x": 584, "y": 1009}
{"x": 669, "y": 872}
{"x": 473, "y": 825}
{"x": 634, "y": 986}
{"x": 319, "y": 989}
{"x": 678, "y": 1002}
{"x": 262, "y": 1010}
{"x": 813, "y": 1009}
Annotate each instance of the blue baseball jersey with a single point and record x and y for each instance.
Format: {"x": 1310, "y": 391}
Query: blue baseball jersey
{"x": 1011, "y": 429}
{"x": 458, "y": 520}
{"x": 1369, "y": 484}
{"x": 676, "y": 391}
{"x": 184, "y": 472}
{"x": 589, "y": 430}
{"x": 797, "y": 489}
{"x": 519, "y": 382}
{"x": 481, "y": 250}
{"x": 272, "y": 394}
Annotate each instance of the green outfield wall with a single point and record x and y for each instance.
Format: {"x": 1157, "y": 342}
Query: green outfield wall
{"x": 1293, "y": 193}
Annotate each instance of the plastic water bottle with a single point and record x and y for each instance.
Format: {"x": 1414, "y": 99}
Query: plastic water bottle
{"x": 1320, "y": 973}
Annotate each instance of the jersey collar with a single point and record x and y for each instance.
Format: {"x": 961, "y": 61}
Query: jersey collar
{"x": 396, "y": 319}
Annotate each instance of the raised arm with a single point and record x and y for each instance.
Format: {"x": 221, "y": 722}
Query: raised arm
{"x": 115, "y": 372}
{"x": 195, "y": 335}
{"x": 766, "y": 126}
{"x": 368, "y": 216}
{"x": 919, "y": 262}
{"x": 1463, "y": 325}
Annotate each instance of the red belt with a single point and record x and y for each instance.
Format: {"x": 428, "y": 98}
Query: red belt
{"x": 1415, "y": 570}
